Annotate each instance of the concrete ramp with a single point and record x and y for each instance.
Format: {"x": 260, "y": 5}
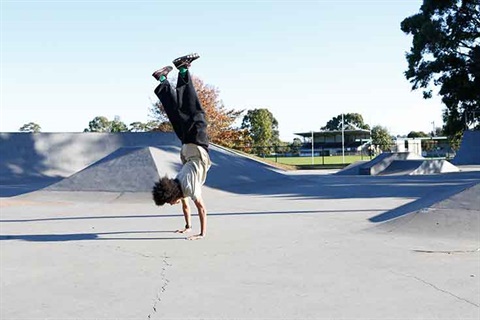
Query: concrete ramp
{"x": 378, "y": 164}
{"x": 128, "y": 169}
{"x": 353, "y": 168}
{"x": 469, "y": 152}
{"x": 37, "y": 156}
{"x": 457, "y": 217}
{"x": 382, "y": 161}
{"x": 417, "y": 167}
{"x": 235, "y": 172}
{"x": 117, "y": 162}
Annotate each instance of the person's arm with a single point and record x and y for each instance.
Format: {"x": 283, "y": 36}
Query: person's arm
{"x": 187, "y": 215}
{"x": 202, "y": 213}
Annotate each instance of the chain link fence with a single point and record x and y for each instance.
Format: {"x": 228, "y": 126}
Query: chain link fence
{"x": 320, "y": 155}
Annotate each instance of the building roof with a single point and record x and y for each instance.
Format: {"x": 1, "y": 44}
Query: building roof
{"x": 332, "y": 132}
{"x": 423, "y": 138}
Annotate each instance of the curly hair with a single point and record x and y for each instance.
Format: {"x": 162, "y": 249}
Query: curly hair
{"x": 166, "y": 190}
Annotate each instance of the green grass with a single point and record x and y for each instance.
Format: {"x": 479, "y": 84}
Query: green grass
{"x": 327, "y": 160}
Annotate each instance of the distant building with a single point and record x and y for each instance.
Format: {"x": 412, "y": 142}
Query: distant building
{"x": 330, "y": 142}
{"x": 412, "y": 145}
{"x": 429, "y": 147}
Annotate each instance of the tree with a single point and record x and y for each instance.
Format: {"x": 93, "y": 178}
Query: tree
{"x": 262, "y": 128}
{"x": 117, "y": 126}
{"x": 143, "y": 127}
{"x": 445, "y": 52}
{"x": 221, "y": 129}
{"x": 98, "y": 124}
{"x": 296, "y": 146}
{"x": 437, "y": 133}
{"x": 417, "y": 134}
{"x": 102, "y": 124}
{"x": 382, "y": 138}
{"x": 351, "y": 121}
{"x": 30, "y": 127}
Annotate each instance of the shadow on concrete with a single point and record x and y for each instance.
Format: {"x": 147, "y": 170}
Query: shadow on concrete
{"x": 420, "y": 204}
{"x": 423, "y": 190}
{"x": 21, "y": 165}
{"x": 36, "y": 156}
{"x": 86, "y": 236}
{"x": 26, "y": 186}
{"x": 287, "y": 212}
{"x": 33, "y": 161}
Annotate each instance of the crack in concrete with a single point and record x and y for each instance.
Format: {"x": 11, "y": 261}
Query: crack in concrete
{"x": 118, "y": 248}
{"x": 437, "y": 288}
{"x": 163, "y": 287}
{"x": 118, "y": 197}
{"x": 447, "y": 251}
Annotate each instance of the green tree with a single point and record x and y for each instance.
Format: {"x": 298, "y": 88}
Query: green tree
{"x": 296, "y": 145}
{"x": 143, "y": 127}
{"x": 98, "y": 124}
{"x": 417, "y": 134}
{"x": 30, "y": 127}
{"x": 351, "y": 121}
{"x": 117, "y": 125}
{"x": 262, "y": 128}
{"x": 102, "y": 124}
{"x": 445, "y": 52}
{"x": 438, "y": 132}
{"x": 381, "y": 138}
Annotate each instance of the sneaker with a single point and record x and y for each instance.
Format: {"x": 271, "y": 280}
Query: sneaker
{"x": 162, "y": 72}
{"x": 185, "y": 61}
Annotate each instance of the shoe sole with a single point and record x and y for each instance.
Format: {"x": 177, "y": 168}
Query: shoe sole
{"x": 162, "y": 72}
{"x": 185, "y": 60}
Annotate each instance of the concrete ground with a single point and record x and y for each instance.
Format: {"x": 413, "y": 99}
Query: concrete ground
{"x": 298, "y": 246}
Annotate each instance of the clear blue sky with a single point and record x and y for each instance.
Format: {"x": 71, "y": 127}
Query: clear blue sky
{"x": 65, "y": 62}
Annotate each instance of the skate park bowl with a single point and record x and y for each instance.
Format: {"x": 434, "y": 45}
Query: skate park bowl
{"x": 80, "y": 236}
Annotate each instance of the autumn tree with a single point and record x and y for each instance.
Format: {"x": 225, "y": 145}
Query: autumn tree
{"x": 445, "y": 53}
{"x": 221, "y": 121}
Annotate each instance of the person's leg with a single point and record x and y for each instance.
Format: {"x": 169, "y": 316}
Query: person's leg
{"x": 191, "y": 111}
{"x": 168, "y": 98}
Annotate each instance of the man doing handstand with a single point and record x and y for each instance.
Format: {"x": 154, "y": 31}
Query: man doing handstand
{"x": 188, "y": 121}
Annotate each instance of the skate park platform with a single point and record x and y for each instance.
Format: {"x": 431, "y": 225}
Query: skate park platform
{"x": 398, "y": 163}
{"x": 279, "y": 244}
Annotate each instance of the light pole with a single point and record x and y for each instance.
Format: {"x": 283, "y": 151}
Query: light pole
{"x": 312, "y": 149}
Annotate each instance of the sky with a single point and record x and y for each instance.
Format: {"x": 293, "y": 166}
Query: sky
{"x": 65, "y": 62}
